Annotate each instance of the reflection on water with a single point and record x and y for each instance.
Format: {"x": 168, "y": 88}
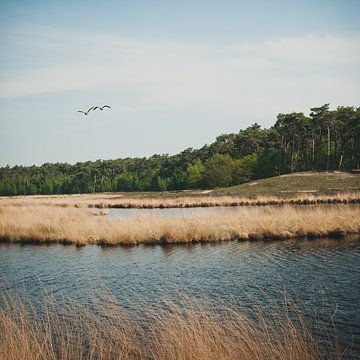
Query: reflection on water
{"x": 321, "y": 276}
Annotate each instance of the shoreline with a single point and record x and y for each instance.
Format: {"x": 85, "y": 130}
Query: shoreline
{"x": 29, "y": 241}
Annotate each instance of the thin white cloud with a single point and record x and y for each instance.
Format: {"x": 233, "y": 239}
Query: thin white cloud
{"x": 175, "y": 74}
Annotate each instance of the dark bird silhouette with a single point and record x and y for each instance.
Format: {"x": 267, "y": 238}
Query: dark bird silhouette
{"x": 101, "y": 108}
{"x": 86, "y": 112}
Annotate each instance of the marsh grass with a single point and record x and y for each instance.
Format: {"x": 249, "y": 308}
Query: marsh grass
{"x": 187, "y": 330}
{"x": 149, "y": 201}
{"x": 44, "y": 224}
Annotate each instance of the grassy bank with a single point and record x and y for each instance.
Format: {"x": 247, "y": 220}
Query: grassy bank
{"x": 44, "y": 224}
{"x": 322, "y": 183}
{"x": 187, "y": 331}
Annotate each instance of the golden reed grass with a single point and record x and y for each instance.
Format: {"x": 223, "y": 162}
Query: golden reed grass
{"x": 105, "y": 331}
{"x": 148, "y": 201}
{"x": 79, "y": 226}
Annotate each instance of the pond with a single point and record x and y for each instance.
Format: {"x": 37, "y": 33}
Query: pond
{"x": 320, "y": 276}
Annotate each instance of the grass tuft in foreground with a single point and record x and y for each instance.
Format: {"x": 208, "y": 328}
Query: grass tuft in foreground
{"x": 186, "y": 331}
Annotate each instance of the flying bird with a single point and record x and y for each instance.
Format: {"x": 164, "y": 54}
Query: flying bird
{"x": 86, "y": 112}
{"x": 101, "y": 108}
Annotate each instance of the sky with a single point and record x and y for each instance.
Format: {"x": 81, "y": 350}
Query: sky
{"x": 175, "y": 73}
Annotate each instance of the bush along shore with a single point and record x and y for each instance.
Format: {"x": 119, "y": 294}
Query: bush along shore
{"x": 45, "y": 224}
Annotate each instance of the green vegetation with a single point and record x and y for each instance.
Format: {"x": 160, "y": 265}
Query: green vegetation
{"x": 325, "y": 140}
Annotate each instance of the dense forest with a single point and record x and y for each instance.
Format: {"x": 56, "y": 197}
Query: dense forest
{"x": 324, "y": 140}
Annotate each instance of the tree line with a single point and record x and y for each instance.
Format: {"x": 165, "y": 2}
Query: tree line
{"x": 323, "y": 141}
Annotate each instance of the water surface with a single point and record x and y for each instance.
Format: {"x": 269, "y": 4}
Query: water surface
{"x": 320, "y": 276}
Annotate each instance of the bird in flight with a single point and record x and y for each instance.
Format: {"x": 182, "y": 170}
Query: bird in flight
{"x": 101, "y": 107}
{"x": 94, "y": 108}
{"x": 86, "y": 112}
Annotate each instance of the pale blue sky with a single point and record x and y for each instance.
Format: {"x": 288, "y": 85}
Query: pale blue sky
{"x": 176, "y": 73}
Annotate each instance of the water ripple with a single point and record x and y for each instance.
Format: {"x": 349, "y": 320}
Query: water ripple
{"x": 321, "y": 276}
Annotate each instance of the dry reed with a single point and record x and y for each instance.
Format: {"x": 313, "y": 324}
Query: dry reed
{"x": 186, "y": 331}
{"x": 167, "y": 201}
{"x": 79, "y": 226}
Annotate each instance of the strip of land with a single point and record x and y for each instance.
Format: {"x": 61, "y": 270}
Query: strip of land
{"x": 152, "y": 201}
{"x": 44, "y": 224}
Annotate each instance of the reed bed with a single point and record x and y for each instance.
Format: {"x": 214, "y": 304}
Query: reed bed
{"x": 45, "y": 224}
{"x": 169, "y": 201}
{"x": 186, "y": 331}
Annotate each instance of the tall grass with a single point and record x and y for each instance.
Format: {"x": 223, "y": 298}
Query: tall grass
{"x": 147, "y": 201}
{"x": 80, "y": 226}
{"x": 186, "y": 331}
